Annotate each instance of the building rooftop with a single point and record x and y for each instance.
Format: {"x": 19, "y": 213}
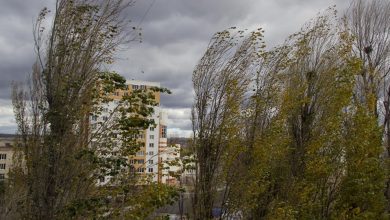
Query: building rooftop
{"x": 138, "y": 82}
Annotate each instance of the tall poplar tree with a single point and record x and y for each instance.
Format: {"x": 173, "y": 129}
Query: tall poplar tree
{"x": 60, "y": 157}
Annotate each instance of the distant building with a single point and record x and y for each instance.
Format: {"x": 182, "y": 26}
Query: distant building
{"x": 170, "y": 164}
{"x": 6, "y": 154}
{"x": 188, "y": 175}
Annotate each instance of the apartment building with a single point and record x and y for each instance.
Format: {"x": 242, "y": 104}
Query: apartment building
{"x": 146, "y": 160}
{"x": 6, "y": 153}
{"x": 170, "y": 162}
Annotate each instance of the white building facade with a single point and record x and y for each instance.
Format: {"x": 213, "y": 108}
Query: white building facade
{"x": 146, "y": 162}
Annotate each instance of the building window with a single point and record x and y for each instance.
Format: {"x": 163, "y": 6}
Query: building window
{"x": 2, "y": 176}
{"x": 3, "y": 156}
{"x": 150, "y": 169}
{"x": 131, "y": 161}
{"x": 135, "y": 87}
{"x": 164, "y": 132}
{"x": 151, "y": 153}
{"x": 140, "y": 153}
{"x": 140, "y": 161}
{"x": 140, "y": 170}
{"x": 2, "y": 166}
{"x": 105, "y": 118}
{"x": 143, "y": 87}
{"x": 151, "y": 128}
{"x": 94, "y": 117}
{"x": 151, "y": 137}
{"x": 151, "y": 145}
{"x": 132, "y": 169}
{"x": 150, "y": 161}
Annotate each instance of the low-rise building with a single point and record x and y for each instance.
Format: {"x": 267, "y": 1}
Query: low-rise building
{"x": 6, "y": 154}
{"x": 170, "y": 164}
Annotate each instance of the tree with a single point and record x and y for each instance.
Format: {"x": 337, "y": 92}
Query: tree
{"x": 249, "y": 184}
{"x": 318, "y": 104}
{"x": 60, "y": 157}
{"x": 220, "y": 80}
{"x": 369, "y": 23}
{"x": 307, "y": 148}
{"x": 361, "y": 189}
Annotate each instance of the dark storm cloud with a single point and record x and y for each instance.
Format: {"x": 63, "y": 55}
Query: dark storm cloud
{"x": 175, "y": 35}
{"x": 229, "y": 10}
{"x": 14, "y": 66}
{"x": 173, "y": 20}
{"x": 16, "y": 40}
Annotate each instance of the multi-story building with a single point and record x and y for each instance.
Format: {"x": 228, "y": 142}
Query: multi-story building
{"x": 6, "y": 153}
{"x": 146, "y": 160}
{"x": 171, "y": 167}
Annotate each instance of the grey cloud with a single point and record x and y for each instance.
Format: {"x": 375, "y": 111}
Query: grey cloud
{"x": 179, "y": 98}
{"x": 215, "y": 10}
{"x": 176, "y": 19}
{"x": 175, "y": 36}
{"x": 179, "y": 118}
{"x": 16, "y": 41}
{"x": 170, "y": 64}
{"x": 21, "y": 8}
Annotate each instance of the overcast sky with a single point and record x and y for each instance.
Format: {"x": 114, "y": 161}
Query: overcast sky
{"x": 175, "y": 35}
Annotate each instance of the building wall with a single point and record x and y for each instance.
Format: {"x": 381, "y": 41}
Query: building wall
{"x": 152, "y": 137}
{"x": 6, "y": 153}
{"x": 169, "y": 154}
{"x": 146, "y": 160}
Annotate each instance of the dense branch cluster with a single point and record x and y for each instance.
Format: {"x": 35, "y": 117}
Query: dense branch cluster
{"x": 59, "y": 157}
{"x": 296, "y": 132}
